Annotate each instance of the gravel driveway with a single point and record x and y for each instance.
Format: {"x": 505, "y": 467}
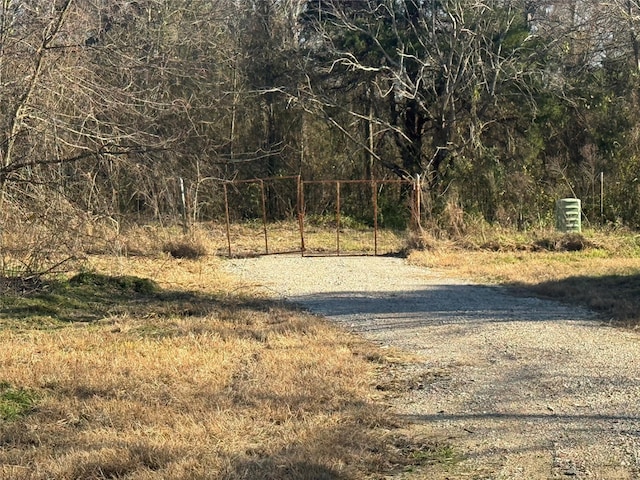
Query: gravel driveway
{"x": 522, "y": 388}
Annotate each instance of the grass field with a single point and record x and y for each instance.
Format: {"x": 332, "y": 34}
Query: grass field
{"x": 146, "y": 366}
{"x": 163, "y": 368}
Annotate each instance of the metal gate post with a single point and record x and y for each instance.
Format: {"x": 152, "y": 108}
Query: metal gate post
{"x": 338, "y": 217}
{"x": 374, "y": 193}
{"x": 264, "y": 217}
{"x": 301, "y": 213}
{"x": 226, "y": 213}
{"x": 418, "y": 203}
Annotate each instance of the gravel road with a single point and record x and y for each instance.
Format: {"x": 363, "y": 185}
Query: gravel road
{"x": 523, "y": 388}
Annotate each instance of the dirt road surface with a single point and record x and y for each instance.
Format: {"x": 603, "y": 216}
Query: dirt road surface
{"x": 522, "y": 388}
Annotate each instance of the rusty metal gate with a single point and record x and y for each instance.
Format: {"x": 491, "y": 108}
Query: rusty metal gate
{"x": 334, "y": 190}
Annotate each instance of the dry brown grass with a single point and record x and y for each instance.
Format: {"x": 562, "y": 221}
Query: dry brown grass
{"x": 207, "y": 380}
{"x": 603, "y": 275}
{"x": 248, "y": 238}
{"x": 245, "y": 239}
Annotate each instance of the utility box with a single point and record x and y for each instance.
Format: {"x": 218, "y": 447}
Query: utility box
{"x": 569, "y": 215}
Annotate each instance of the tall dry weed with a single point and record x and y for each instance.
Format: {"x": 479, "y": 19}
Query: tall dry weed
{"x": 453, "y": 218}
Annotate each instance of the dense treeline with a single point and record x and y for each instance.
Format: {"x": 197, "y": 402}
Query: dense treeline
{"x": 501, "y": 106}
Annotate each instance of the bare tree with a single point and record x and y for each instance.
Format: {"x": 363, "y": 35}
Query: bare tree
{"x": 445, "y": 70}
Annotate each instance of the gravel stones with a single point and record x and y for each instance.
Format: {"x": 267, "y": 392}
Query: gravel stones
{"x": 534, "y": 389}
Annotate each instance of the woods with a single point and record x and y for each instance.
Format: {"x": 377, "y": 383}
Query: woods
{"x": 502, "y": 106}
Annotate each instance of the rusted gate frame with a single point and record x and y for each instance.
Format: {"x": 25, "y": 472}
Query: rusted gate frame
{"x": 301, "y": 210}
{"x": 261, "y": 181}
{"x": 374, "y": 197}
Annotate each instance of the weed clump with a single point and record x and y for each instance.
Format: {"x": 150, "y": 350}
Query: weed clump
{"x": 14, "y": 402}
{"x": 20, "y": 285}
{"x": 189, "y": 249}
{"x": 570, "y": 242}
{"x": 126, "y": 283}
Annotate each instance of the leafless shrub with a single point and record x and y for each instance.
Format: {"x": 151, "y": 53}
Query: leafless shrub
{"x": 40, "y": 237}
